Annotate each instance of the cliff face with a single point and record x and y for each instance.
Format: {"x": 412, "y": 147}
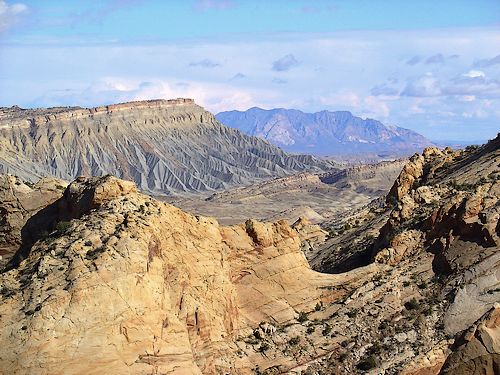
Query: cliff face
{"x": 434, "y": 309}
{"x": 19, "y": 202}
{"x": 122, "y": 283}
{"x": 164, "y": 146}
{"x": 133, "y": 285}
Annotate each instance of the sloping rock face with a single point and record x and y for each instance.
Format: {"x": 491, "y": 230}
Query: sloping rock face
{"x": 122, "y": 283}
{"x": 19, "y": 202}
{"x": 433, "y": 309}
{"x": 164, "y": 146}
{"x": 132, "y": 285}
{"x": 477, "y": 350}
{"x": 448, "y": 203}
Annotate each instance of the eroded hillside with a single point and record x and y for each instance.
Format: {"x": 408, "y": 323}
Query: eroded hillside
{"x": 164, "y": 146}
{"x": 122, "y": 283}
{"x": 319, "y": 197}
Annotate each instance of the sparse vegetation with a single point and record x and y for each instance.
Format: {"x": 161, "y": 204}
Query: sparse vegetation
{"x": 303, "y": 317}
{"x": 264, "y": 347}
{"x": 367, "y": 363}
{"x": 411, "y": 304}
{"x": 294, "y": 341}
{"x": 352, "y": 313}
{"x": 326, "y": 330}
{"x": 376, "y": 348}
{"x": 62, "y": 227}
{"x": 423, "y": 285}
{"x": 257, "y": 334}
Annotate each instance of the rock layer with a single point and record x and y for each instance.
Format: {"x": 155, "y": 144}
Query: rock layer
{"x": 19, "y": 202}
{"x": 164, "y": 146}
{"x": 122, "y": 283}
{"x": 133, "y": 285}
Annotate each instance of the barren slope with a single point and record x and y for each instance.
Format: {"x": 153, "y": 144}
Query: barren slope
{"x": 121, "y": 283}
{"x": 164, "y": 146}
{"x": 318, "y": 197}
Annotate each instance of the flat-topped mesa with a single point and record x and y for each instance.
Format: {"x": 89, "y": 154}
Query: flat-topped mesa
{"x": 37, "y": 116}
{"x": 153, "y": 103}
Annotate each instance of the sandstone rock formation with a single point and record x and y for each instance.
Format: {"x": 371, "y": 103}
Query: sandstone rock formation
{"x": 439, "y": 234}
{"x": 164, "y": 146}
{"x": 122, "y": 283}
{"x": 133, "y": 285}
{"x": 19, "y": 202}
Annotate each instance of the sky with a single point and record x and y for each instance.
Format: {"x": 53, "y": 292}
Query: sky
{"x": 431, "y": 66}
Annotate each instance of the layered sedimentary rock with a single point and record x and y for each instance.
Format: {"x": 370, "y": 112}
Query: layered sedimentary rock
{"x": 132, "y": 285}
{"x": 164, "y": 146}
{"x": 439, "y": 233}
{"x": 320, "y": 197}
{"x": 18, "y": 202}
{"x": 121, "y": 283}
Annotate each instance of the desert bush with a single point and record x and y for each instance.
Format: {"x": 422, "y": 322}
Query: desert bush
{"x": 367, "y": 363}
{"x": 263, "y": 347}
{"x": 326, "y": 330}
{"x": 411, "y": 304}
{"x": 302, "y": 317}
{"x": 62, "y": 227}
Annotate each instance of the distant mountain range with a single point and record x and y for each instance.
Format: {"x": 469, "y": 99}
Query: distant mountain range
{"x": 325, "y": 132}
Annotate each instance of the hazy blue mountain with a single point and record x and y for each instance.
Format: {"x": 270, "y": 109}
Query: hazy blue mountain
{"x": 325, "y": 132}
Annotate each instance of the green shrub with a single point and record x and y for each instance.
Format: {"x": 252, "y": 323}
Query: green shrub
{"x": 326, "y": 330}
{"x": 62, "y": 227}
{"x": 294, "y": 341}
{"x": 302, "y": 317}
{"x": 318, "y": 306}
{"x": 376, "y": 348}
{"x": 352, "y": 313}
{"x": 263, "y": 347}
{"x": 343, "y": 357}
{"x": 310, "y": 330}
{"x": 257, "y": 334}
{"x": 367, "y": 363}
{"x": 412, "y": 304}
{"x": 423, "y": 285}
{"x": 383, "y": 325}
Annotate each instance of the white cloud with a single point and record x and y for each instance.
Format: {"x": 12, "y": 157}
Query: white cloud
{"x": 474, "y": 73}
{"x": 426, "y": 85}
{"x": 363, "y": 72}
{"x": 9, "y": 14}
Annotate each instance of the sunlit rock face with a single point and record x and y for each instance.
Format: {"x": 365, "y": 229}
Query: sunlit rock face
{"x": 164, "y": 146}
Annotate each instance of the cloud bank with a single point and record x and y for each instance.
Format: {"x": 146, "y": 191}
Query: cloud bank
{"x": 382, "y": 75}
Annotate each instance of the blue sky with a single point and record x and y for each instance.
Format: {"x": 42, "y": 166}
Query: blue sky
{"x": 432, "y": 66}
